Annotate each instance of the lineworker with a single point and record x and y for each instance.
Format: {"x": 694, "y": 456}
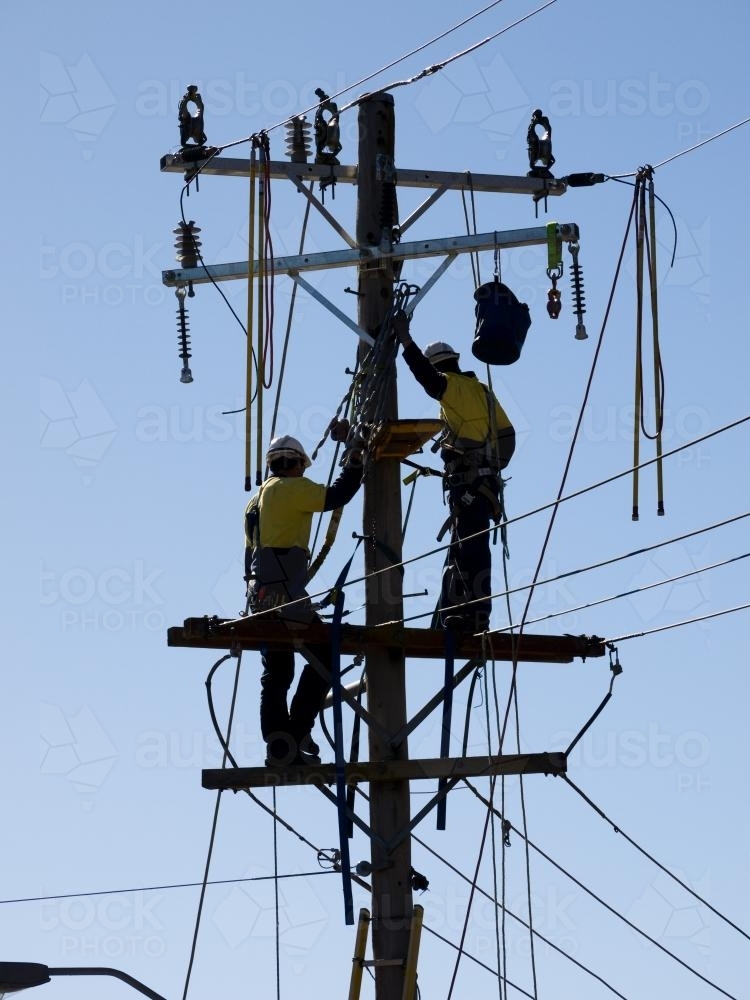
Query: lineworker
{"x": 278, "y": 520}
{"x": 477, "y": 443}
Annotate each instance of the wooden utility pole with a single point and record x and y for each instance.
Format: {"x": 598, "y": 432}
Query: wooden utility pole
{"x": 388, "y": 770}
{"x": 386, "y": 682}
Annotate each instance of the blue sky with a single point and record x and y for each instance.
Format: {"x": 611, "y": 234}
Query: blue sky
{"x": 124, "y": 508}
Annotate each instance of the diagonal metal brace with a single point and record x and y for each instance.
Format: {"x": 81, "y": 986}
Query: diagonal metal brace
{"x": 324, "y": 212}
{"x": 446, "y": 785}
{"x": 432, "y": 704}
{"x": 346, "y": 320}
{"x": 351, "y": 814}
{"x": 346, "y": 695}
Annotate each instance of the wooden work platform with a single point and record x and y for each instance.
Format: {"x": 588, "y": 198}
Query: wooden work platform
{"x": 239, "y": 778}
{"x": 256, "y": 631}
{"x": 400, "y": 438}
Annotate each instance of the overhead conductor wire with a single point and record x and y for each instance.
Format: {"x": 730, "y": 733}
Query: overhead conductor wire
{"x": 599, "y": 900}
{"x": 529, "y": 513}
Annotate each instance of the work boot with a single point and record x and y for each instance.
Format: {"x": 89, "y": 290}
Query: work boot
{"x": 281, "y": 751}
{"x": 309, "y": 750}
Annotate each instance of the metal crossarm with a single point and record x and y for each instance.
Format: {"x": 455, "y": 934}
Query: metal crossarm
{"x": 256, "y": 631}
{"x": 238, "y": 778}
{"x": 532, "y": 236}
{"x": 228, "y": 166}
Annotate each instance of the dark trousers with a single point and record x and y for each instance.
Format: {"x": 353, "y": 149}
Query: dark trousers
{"x": 468, "y": 574}
{"x": 285, "y": 728}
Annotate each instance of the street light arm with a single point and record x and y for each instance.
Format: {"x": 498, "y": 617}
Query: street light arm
{"x": 99, "y": 971}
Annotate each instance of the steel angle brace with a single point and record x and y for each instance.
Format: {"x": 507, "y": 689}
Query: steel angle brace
{"x": 331, "y": 219}
{"x": 390, "y": 845}
{"x": 338, "y": 313}
{"x": 432, "y": 280}
{"x": 433, "y": 703}
{"x": 445, "y": 729}
{"x": 345, "y": 694}
{"x": 332, "y": 797}
{"x": 426, "y": 204}
{"x": 446, "y": 785}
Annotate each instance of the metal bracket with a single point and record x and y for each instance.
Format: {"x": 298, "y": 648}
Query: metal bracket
{"x": 533, "y": 236}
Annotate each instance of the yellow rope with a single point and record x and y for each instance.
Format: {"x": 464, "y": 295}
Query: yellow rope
{"x": 640, "y": 220}
{"x": 250, "y": 288}
{"x": 259, "y": 351}
{"x": 658, "y": 396}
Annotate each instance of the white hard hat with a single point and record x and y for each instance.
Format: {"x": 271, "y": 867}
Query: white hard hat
{"x": 440, "y": 351}
{"x": 286, "y": 446}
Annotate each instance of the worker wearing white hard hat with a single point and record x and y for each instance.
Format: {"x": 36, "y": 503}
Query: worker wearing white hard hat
{"x": 477, "y": 443}
{"x": 278, "y": 522}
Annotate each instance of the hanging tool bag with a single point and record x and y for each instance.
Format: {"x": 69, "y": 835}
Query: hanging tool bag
{"x": 502, "y": 324}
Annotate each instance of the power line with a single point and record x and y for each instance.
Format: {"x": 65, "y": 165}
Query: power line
{"x": 690, "y": 149}
{"x": 505, "y": 909}
{"x": 629, "y": 593}
{"x": 523, "y": 923}
{"x": 489, "y": 968}
{"x": 687, "y": 621}
{"x": 430, "y": 70}
{"x": 161, "y": 888}
{"x": 591, "y": 893}
{"x": 618, "y": 829}
{"x": 369, "y": 76}
{"x": 529, "y": 513}
{"x": 598, "y": 565}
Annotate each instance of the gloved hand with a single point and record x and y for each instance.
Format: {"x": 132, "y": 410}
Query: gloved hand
{"x": 356, "y": 443}
{"x": 339, "y": 430}
{"x": 401, "y": 328}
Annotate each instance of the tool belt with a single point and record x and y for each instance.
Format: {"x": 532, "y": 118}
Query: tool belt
{"x": 277, "y": 578}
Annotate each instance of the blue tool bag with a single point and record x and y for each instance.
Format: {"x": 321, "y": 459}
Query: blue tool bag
{"x": 502, "y": 324}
